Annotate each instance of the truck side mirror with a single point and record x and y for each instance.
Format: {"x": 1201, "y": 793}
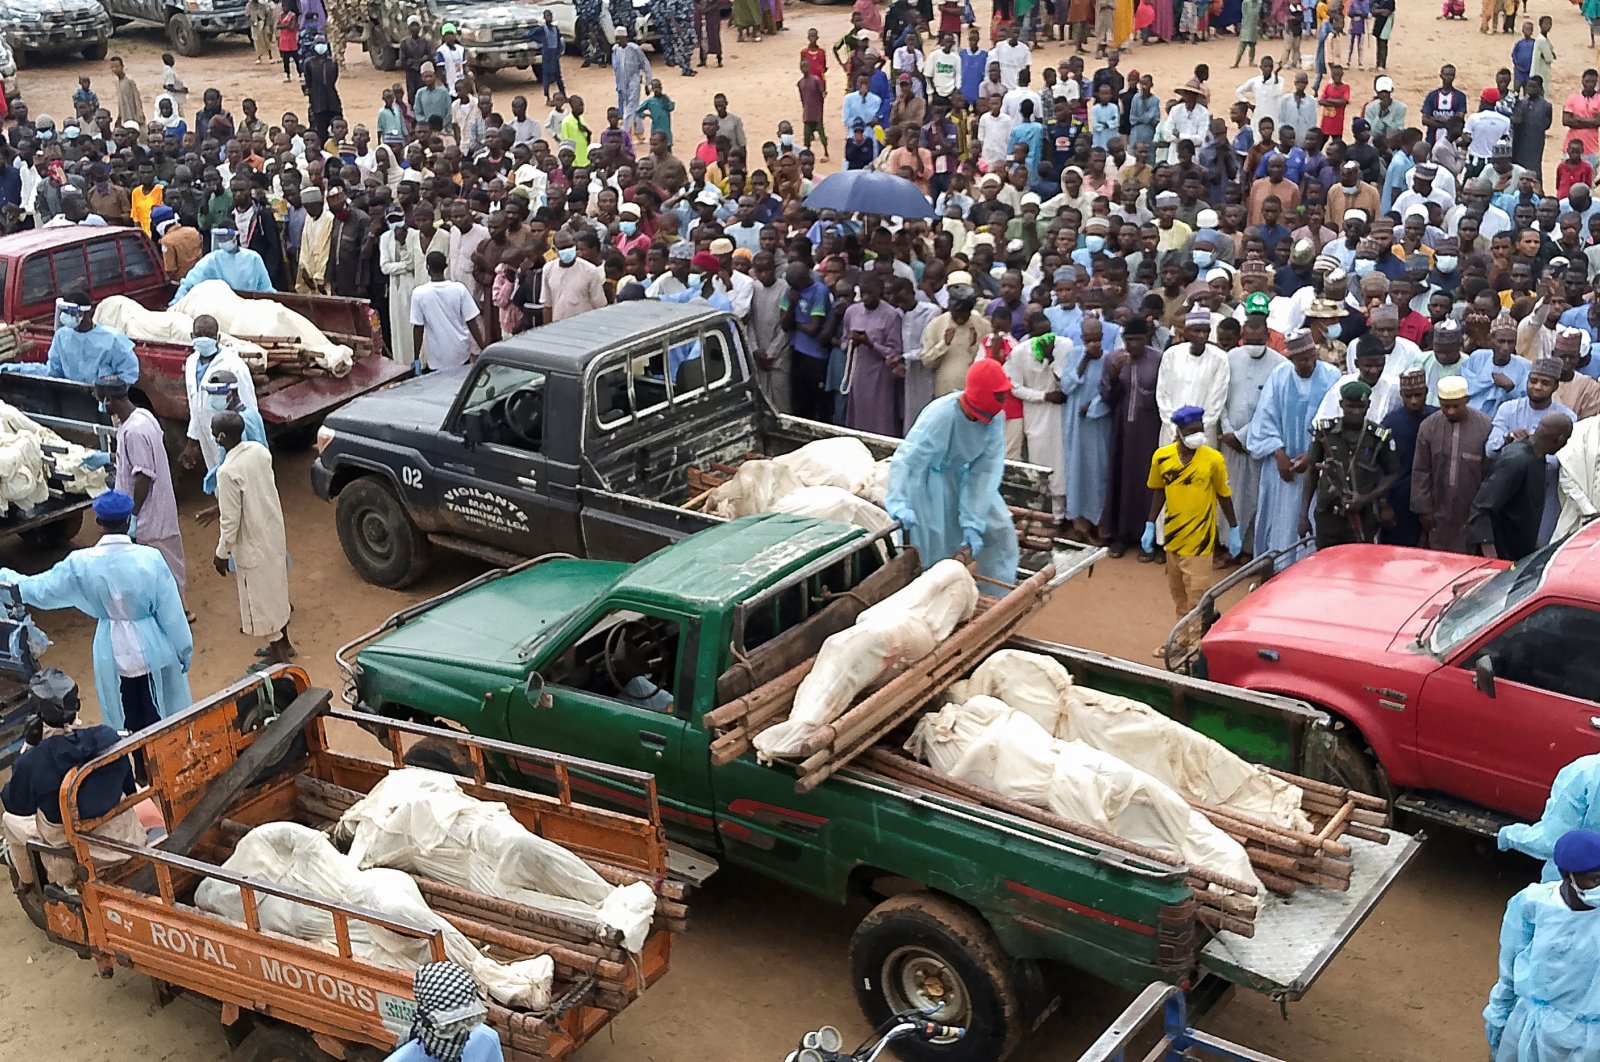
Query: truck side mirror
{"x": 472, "y": 429}
{"x": 1483, "y": 675}
{"x": 538, "y": 696}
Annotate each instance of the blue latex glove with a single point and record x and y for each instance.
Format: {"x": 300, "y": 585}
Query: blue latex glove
{"x": 971, "y": 539}
{"x": 1501, "y": 841}
{"x": 133, "y": 527}
{"x": 1235, "y": 542}
{"x": 906, "y": 518}
{"x": 1147, "y": 541}
{"x": 98, "y": 459}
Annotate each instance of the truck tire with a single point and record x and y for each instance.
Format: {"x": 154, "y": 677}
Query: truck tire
{"x": 439, "y": 755}
{"x": 1351, "y": 765}
{"x": 96, "y": 52}
{"x": 379, "y": 539}
{"x": 55, "y": 534}
{"x": 279, "y": 1043}
{"x": 384, "y": 55}
{"x": 922, "y": 951}
{"x": 184, "y": 36}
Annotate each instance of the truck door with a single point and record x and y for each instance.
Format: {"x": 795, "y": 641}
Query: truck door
{"x": 620, "y": 692}
{"x": 496, "y": 487}
{"x": 1502, "y": 749}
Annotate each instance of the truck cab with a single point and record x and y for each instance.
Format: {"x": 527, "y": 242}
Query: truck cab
{"x": 1463, "y": 684}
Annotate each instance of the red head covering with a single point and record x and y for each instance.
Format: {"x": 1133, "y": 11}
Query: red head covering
{"x": 986, "y": 390}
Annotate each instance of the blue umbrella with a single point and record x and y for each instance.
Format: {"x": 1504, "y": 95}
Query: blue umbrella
{"x": 869, "y": 192}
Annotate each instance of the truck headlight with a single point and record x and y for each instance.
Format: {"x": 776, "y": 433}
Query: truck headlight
{"x": 325, "y": 435}
{"x": 199, "y": 5}
{"x": 473, "y": 35}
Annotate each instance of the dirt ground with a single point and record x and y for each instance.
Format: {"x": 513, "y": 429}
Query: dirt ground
{"x": 748, "y": 979}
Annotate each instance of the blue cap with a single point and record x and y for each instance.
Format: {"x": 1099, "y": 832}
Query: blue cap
{"x": 1188, "y": 415}
{"x": 113, "y": 507}
{"x": 1577, "y": 852}
{"x": 160, "y": 214}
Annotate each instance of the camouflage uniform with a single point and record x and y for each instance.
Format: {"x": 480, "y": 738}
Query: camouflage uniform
{"x": 596, "y": 51}
{"x": 673, "y": 20}
{"x": 623, "y": 17}
{"x": 1351, "y": 463}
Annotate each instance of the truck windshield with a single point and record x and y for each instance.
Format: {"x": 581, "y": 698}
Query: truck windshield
{"x": 1483, "y": 604}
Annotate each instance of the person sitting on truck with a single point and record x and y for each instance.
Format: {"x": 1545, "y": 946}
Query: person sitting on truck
{"x": 1543, "y": 1004}
{"x": 82, "y": 350}
{"x": 239, "y": 267}
{"x": 944, "y": 479}
{"x": 1574, "y": 804}
{"x": 142, "y": 642}
{"x": 56, "y": 744}
{"x": 74, "y": 210}
{"x": 449, "y": 1023}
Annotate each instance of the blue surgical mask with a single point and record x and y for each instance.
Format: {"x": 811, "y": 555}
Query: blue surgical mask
{"x": 1095, "y": 244}
{"x": 221, "y": 445}
{"x": 218, "y": 403}
{"x": 628, "y": 227}
{"x": 101, "y": 406}
{"x": 1202, "y": 258}
{"x": 1588, "y": 896}
{"x": 1365, "y": 266}
{"x": 1334, "y": 329}
{"x": 70, "y": 318}
{"x": 567, "y": 255}
{"x": 205, "y": 346}
{"x": 1446, "y": 263}
{"x": 397, "y": 226}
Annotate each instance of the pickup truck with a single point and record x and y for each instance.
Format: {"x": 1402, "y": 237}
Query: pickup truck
{"x": 566, "y": 438}
{"x": 263, "y": 750}
{"x": 55, "y": 27}
{"x": 974, "y": 906}
{"x": 496, "y": 35}
{"x": 1460, "y": 685}
{"x": 38, "y": 266}
{"x": 187, "y": 22}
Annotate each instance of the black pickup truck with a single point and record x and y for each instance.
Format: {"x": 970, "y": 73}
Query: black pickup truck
{"x": 577, "y": 437}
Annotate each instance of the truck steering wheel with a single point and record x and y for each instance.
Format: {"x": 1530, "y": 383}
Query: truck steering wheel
{"x": 608, "y": 656}
{"x": 522, "y": 415}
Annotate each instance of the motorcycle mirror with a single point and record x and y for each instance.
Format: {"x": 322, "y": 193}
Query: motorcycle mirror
{"x": 829, "y": 1038}
{"x": 809, "y": 1054}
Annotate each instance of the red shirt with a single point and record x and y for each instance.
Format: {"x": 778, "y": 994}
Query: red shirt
{"x": 1334, "y": 100}
{"x": 1571, "y": 173}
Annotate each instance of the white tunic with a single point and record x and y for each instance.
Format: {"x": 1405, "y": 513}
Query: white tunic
{"x": 1031, "y": 380}
{"x": 251, "y": 534}
{"x": 1187, "y": 380}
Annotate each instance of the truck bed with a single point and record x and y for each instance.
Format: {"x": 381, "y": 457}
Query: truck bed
{"x": 130, "y": 916}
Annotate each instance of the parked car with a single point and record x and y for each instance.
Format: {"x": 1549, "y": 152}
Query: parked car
{"x": 8, "y": 71}
{"x": 497, "y": 35}
{"x": 1460, "y": 685}
{"x": 54, "y": 26}
{"x": 187, "y": 22}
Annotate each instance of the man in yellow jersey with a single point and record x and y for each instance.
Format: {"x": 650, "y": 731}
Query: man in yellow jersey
{"x": 1190, "y": 479}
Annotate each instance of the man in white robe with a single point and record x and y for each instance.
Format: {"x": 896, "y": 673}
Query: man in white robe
{"x": 1278, "y": 437}
{"x": 251, "y": 541}
{"x": 1035, "y": 371}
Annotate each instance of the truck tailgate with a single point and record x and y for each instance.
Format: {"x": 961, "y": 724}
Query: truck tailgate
{"x": 308, "y": 397}
{"x": 1297, "y": 936}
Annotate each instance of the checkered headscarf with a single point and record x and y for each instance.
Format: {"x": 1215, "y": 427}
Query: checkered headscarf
{"x": 448, "y": 1008}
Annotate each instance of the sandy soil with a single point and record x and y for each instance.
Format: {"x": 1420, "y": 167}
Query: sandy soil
{"x": 747, "y": 979}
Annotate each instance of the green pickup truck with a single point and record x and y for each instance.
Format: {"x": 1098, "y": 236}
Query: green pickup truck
{"x": 978, "y": 910}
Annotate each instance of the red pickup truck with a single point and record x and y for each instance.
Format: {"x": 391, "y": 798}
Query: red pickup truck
{"x": 1462, "y": 684}
{"x": 38, "y": 266}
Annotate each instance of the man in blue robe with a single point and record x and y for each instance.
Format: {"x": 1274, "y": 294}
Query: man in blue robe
{"x": 1085, "y": 429}
{"x": 1279, "y": 434}
{"x": 82, "y": 350}
{"x": 242, "y": 268}
{"x": 944, "y": 479}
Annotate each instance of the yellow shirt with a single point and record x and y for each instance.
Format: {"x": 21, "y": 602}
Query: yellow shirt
{"x": 143, "y": 203}
{"x": 1191, "y": 492}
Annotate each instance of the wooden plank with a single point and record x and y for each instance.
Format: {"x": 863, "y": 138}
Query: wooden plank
{"x": 269, "y": 744}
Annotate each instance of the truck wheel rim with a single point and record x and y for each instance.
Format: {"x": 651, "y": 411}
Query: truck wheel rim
{"x": 918, "y": 979}
{"x": 375, "y": 535}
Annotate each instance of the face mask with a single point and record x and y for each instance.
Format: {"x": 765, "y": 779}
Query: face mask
{"x": 628, "y": 227}
{"x": 1096, "y": 244}
{"x": 221, "y": 445}
{"x": 1365, "y": 266}
{"x": 1334, "y": 329}
{"x": 217, "y": 402}
{"x": 101, "y": 406}
{"x": 1202, "y": 258}
{"x": 70, "y": 320}
{"x": 786, "y": 139}
{"x": 231, "y": 248}
{"x": 205, "y": 346}
{"x": 1195, "y": 440}
{"x": 1588, "y": 896}
{"x": 1446, "y": 263}
{"x": 397, "y": 226}
{"x": 567, "y": 255}
{"x": 321, "y": 49}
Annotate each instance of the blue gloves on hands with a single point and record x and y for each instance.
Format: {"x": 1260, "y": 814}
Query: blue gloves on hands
{"x": 1147, "y": 541}
{"x": 98, "y": 459}
{"x": 906, "y": 518}
{"x": 1235, "y": 542}
{"x": 971, "y": 539}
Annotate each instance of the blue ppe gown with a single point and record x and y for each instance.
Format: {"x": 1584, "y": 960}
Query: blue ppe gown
{"x": 85, "y": 357}
{"x": 947, "y": 473}
{"x": 1545, "y": 1007}
{"x": 242, "y": 269}
{"x": 131, "y": 591}
{"x": 254, "y": 431}
{"x": 1574, "y": 804}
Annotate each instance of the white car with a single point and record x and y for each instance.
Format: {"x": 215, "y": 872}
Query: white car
{"x": 8, "y": 71}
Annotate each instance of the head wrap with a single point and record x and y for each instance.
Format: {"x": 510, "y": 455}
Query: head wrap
{"x": 447, "y": 1002}
{"x": 1451, "y": 388}
{"x": 1549, "y": 368}
{"x": 1356, "y": 391}
{"x": 1577, "y": 852}
{"x": 1188, "y": 414}
{"x": 986, "y": 390}
{"x": 113, "y": 507}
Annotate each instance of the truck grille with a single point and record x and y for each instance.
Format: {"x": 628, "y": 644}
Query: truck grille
{"x": 510, "y": 33}
{"x": 79, "y": 20}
